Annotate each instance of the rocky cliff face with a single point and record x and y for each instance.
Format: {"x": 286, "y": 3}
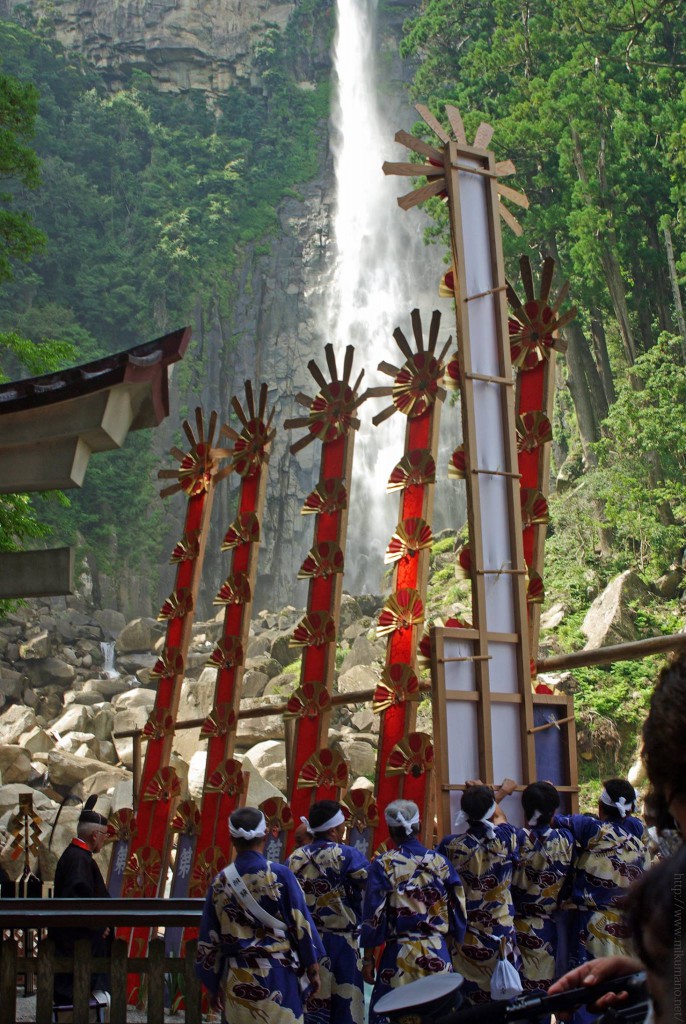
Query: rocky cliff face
{"x": 183, "y": 44}
{"x": 275, "y": 323}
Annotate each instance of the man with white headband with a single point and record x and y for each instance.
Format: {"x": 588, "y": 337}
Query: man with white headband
{"x": 483, "y": 850}
{"x": 413, "y": 902}
{"x": 611, "y": 854}
{"x": 258, "y": 947}
{"x": 332, "y": 877}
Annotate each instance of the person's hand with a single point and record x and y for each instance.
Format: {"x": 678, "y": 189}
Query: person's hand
{"x": 368, "y": 971}
{"x": 473, "y": 782}
{"x": 106, "y": 933}
{"x": 314, "y": 980}
{"x": 507, "y": 787}
{"x": 593, "y": 973}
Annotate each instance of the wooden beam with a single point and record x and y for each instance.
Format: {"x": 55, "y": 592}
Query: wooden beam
{"x": 630, "y": 651}
{"x": 36, "y": 573}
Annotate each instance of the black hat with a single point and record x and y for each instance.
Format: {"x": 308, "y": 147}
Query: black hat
{"x": 422, "y": 1001}
{"x": 90, "y": 817}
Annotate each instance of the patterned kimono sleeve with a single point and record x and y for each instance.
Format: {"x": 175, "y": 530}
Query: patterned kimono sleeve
{"x": 303, "y": 929}
{"x": 582, "y": 826}
{"x": 457, "y": 907}
{"x": 374, "y": 912}
{"x": 209, "y": 960}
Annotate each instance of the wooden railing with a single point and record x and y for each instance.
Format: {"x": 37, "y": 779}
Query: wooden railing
{"x": 37, "y": 915}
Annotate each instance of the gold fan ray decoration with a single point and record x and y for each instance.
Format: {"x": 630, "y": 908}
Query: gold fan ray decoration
{"x": 200, "y": 464}
{"x": 534, "y": 324}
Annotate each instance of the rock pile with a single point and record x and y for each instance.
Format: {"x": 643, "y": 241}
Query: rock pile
{"x": 61, "y": 708}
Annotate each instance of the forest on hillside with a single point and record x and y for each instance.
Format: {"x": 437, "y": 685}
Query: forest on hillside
{"x": 162, "y": 193}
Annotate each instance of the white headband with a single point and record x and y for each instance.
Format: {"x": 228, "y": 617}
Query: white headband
{"x": 534, "y": 819}
{"x": 254, "y": 833}
{"x": 338, "y": 819}
{"x": 623, "y": 805}
{"x": 397, "y": 820}
{"x": 490, "y": 831}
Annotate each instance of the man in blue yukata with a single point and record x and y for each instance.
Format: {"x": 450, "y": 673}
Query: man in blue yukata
{"x": 413, "y": 902}
{"x": 258, "y": 947}
{"x": 332, "y": 877}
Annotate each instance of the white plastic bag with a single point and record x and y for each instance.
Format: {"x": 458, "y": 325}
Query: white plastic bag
{"x": 505, "y": 980}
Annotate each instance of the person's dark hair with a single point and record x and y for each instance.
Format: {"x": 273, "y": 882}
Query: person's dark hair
{"x": 541, "y": 797}
{"x": 656, "y": 812}
{"x": 664, "y": 750}
{"x": 475, "y": 802}
{"x": 321, "y": 812}
{"x": 247, "y": 818}
{"x": 654, "y": 906}
{"x": 616, "y": 789}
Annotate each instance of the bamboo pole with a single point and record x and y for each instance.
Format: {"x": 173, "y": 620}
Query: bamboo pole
{"x": 634, "y": 649}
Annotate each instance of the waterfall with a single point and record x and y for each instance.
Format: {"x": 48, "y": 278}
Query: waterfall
{"x": 108, "y": 667}
{"x": 382, "y": 271}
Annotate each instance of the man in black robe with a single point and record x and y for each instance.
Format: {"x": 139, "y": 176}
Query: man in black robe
{"x": 77, "y": 876}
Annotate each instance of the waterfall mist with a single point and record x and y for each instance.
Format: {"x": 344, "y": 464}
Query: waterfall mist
{"x": 382, "y": 271}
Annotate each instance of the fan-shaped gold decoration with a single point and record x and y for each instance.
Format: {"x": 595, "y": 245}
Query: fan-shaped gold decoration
{"x": 402, "y": 610}
{"x": 313, "y": 630}
{"x": 327, "y": 768}
{"x": 251, "y": 446}
{"x": 364, "y": 810}
{"x": 197, "y": 466}
{"x": 277, "y": 814}
{"x": 534, "y": 507}
{"x": 227, "y": 654}
{"x": 206, "y": 868}
{"x": 328, "y": 496}
{"x": 324, "y": 560}
{"x": 463, "y": 566}
{"x": 220, "y": 721}
{"x": 412, "y": 756}
{"x": 533, "y": 430}
{"x": 398, "y": 684}
{"x": 169, "y": 664}
{"x": 121, "y": 825}
{"x": 414, "y": 469}
{"x": 453, "y": 373}
{"x": 308, "y": 701}
{"x": 245, "y": 529}
{"x": 416, "y": 385}
{"x": 424, "y": 656}
{"x": 446, "y": 288}
{"x": 142, "y": 873}
{"x": 535, "y": 591}
{"x": 188, "y": 548}
{"x": 178, "y": 604}
{"x": 187, "y": 820}
{"x": 457, "y": 468}
{"x": 332, "y": 411}
{"x": 164, "y": 785}
{"x": 434, "y": 167}
{"x": 411, "y": 536}
{"x": 228, "y": 778}
{"x": 160, "y": 723}
{"x": 234, "y": 590}
{"x": 534, "y": 324}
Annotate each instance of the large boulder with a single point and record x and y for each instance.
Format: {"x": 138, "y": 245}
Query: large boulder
{"x": 101, "y": 781}
{"x": 196, "y": 701}
{"x": 360, "y": 677}
{"x": 66, "y": 769}
{"x": 611, "y": 618}
{"x": 15, "y": 721}
{"x": 36, "y": 741}
{"x": 350, "y": 612}
{"x": 127, "y": 721}
{"x": 266, "y": 753}
{"x": 254, "y": 683}
{"x": 11, "y": 683}
{"x": 139, "y": 697}
{"x": 109, "y": 687}
{"x": 281, "y": 649}
{"x": 76, "y": 718}
{"x": 49, "y": 671}
{"x": 137, "y": 635}
{"x": 361, "y": 756}
{"x": 265, "y": 727}
{"x": 15, "y": 764}
{"x": 363, "y": 652}
{"x": 258, "y": 787}
{"x": 36, "y": 647}
{"x": 110, "y": 621}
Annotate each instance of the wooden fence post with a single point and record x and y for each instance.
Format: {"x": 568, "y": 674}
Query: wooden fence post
{"x": 191, "y": 993}
{"x": 46, "y": 981}
{"x": 82, "y": 980}
{"x": 8, "y": 977}
{"x": 156, "y": 981}
{"x": 118, "y": 982}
